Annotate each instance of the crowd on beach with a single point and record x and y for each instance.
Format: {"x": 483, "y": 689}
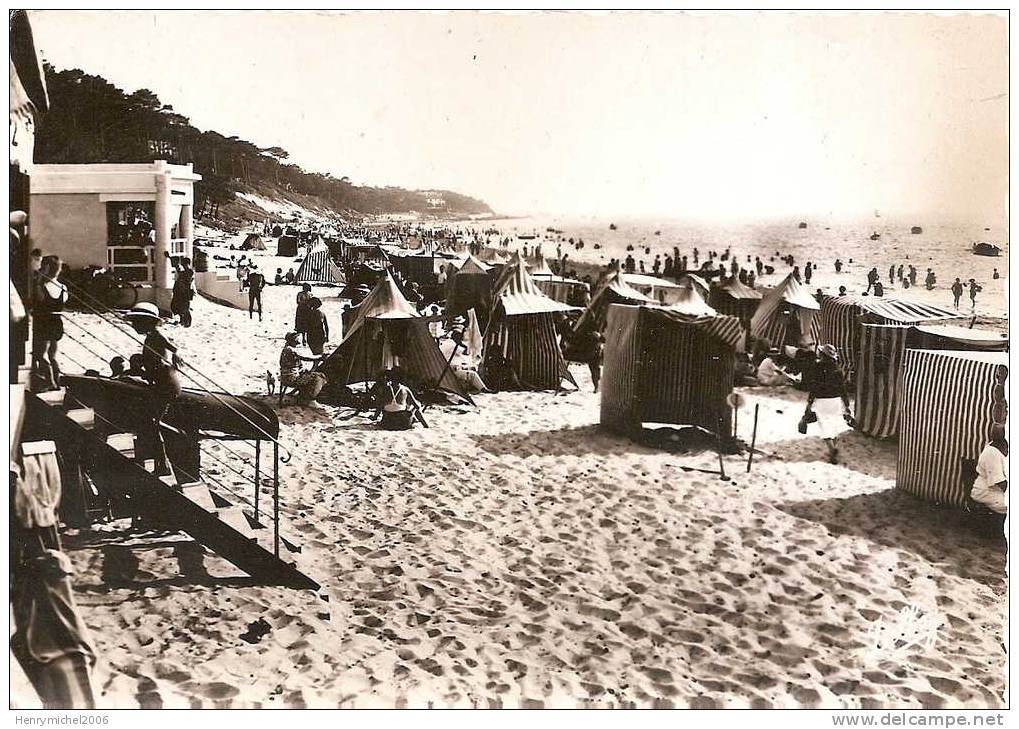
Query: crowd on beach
{"x": 814, "y": 370}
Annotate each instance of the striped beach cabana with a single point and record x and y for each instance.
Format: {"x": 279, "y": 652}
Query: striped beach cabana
{"x": 613, "y": 289}
{"x": 842, "y": 316}
{"x": 882, "y": 349}
{"x": 949, "y": 402}
{"x": 388, "y": 332}
{"x": 522, "y": 327}
{"x": 786, "y": 315}
{"x": 561, "y": 288}
{"x": 671, "y": 364}
{"x": 318, "y": 267}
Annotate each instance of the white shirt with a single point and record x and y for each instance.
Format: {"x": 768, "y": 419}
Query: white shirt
{"x": 992, "y": 468}
{"x": 768, "y": 373}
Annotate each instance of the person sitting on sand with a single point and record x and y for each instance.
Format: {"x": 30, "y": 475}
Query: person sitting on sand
{"x": 289, "y": 277}
{"x": 499, "y": 373}
{"x": 992, "y": 473}
{"x": 827, "y": 392}
{"x": 309, "y": 384}
{"x": 463, "y": 364}
{"x": 770, "y": 374}
{"x": 278, "y": 280}
{"x": 396, "y": 403}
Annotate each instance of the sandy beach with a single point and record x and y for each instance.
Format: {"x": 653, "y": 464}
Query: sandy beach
{"x": 515, "y": 555}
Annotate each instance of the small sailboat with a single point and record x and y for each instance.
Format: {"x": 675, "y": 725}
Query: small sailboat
{"x": 986, "y": 249}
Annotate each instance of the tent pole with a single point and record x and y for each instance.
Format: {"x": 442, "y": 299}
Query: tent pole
{"x": 258, "y": 464}
{"x": 276, "y": 498}
{"x": 753, "y": 437}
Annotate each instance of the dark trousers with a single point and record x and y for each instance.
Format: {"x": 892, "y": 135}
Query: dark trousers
{"x": 253, "y": 298}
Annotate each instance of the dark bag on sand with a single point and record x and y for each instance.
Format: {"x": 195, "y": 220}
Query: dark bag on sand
{"x": 399, "y": 420}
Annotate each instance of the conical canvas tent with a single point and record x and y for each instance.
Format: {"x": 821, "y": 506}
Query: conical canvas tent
{"x": 612, "y": 290}
{"x": 538, "y": 266}
{"x": 253, "y": 242}
{"x": 950, "y": 400}
{"x": 735, "y": 298}
{"x": 882, "y": 349}
{"x": 522, "y": 328}
{"x": 786, "y": 314}
{"x": 318, "y": 267}
{"x": 469, "y": 288}
{"x": 668, "y": 365}
{"x": 841, "y": 319}
{"x": 387, "y": 332}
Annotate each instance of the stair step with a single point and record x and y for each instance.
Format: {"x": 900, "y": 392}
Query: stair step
{"x": 122, "y": 443}
{"x": 38, "y": 447}
{"x": 53, "y": 397}
{"x": 85, "y": 417}
{"x": 199, "y": 494}
{"x": 234, "y": 517}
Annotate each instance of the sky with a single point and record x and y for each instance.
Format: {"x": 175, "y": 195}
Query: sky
{"x": 707, "y": 117}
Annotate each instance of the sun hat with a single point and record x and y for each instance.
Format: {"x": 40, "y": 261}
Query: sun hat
{"x": 143, "y": 310}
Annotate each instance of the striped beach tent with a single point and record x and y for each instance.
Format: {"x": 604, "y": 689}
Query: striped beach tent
{"x": 387, "y": 332}
{"x": 668, "y": 365}
{"x": 842, "y": 316}
{"x": 522, "y": 328}
{"x": 613, "y": 289}
{"x": 470, "y": 287}
{"x": 735, "y": 298}
{"x": 949, "y": 402}
{"x": 882, "y": 348}
{"x": 656, "y": 289}
{"x": 786, "y": 315}
{"x": 318, "y": 267}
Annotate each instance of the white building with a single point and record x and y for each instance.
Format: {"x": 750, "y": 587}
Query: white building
{"x": 123, "y": 217}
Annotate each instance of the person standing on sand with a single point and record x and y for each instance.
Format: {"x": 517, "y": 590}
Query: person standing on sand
{"x": 827, "y": 392}
{"x": 957, "y": 292}
{"x": 256, "y": 282}
{"x": 912, "y": 275}
{"x": 930, "y": 279}
{"x": 838, "y": 265}
{"x": 872, "y": 278}
{"x": 183, "y": 290}
{"x": 891, "y": 274}
{"x": 301, "y": 314}
{"x": 898, "y": 272}
{"x": 317, "y": 325}
{"x": 974, "y": 287}
{"x": 808, "y": 272}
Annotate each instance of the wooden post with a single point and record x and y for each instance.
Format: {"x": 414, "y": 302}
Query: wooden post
{"x": 258, "y": 464}
{"x": 276, "y": 498}
{"x": 718, "y": 440}
{"x": 753, "y": 437}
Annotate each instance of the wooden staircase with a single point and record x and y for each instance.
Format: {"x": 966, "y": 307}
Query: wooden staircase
{"x": 208, "y": 516}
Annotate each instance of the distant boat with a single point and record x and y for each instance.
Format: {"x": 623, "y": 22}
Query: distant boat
{"x": 802, "y": 225}
{"x": 875, "y": 236}
{"x": 526, "y": 236}
{"x": 986, "y": 249}
{"x": 916, "y": 230}
{"x": 658, "y": 232}
{"x": 612, "y": 226}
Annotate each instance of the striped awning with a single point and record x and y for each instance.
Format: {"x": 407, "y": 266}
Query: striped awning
{"x": 768, "y": 321}
{"x": 519, "y": 294}
{"x": 964, "y": 337}
{"x": 897, "y": 311}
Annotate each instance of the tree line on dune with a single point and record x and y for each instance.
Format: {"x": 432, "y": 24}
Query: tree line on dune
{"x": 90, "y": 120}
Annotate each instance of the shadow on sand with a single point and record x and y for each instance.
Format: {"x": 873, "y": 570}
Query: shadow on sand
{"x": 966, "y": 545}
{"x": 857, "y": 452}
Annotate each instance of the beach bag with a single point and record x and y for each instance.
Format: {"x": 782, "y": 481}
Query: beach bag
{"x": 808, "y": 417}
{"x": 398, "y": 420}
